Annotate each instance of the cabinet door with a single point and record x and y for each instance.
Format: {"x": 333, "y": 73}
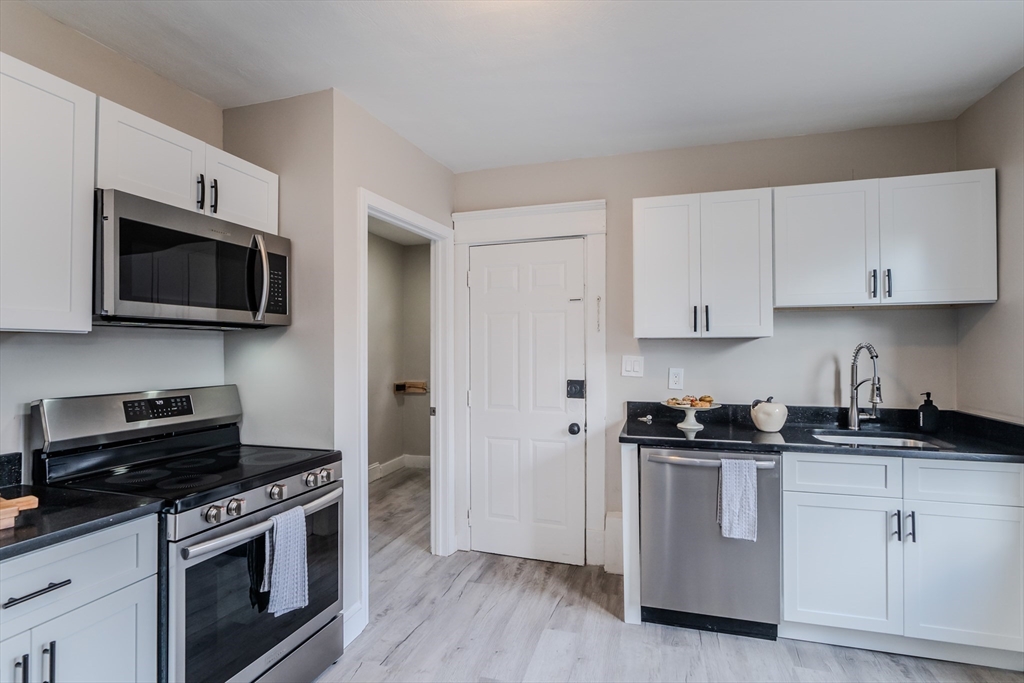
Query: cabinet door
{"x": 965, "y": 574}
{"x": 111, "y": 640}
{"x": 16, "y": 659}
{"x": 147, "y": 158}
{"x": 938, "y": 237}
{"x": 241, "y": 192}
{"x": 736, "y": 263}
{"x": 666, "y": 266}
{"x": 842, "y": 562}
{"x": 48, "y": 138}
{"x": 826, "y": 244}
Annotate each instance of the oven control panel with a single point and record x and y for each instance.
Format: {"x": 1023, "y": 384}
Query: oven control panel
{"x": 157, "y": 408}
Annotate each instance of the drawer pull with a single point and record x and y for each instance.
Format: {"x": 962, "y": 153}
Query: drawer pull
{"x": 11, "y": 602}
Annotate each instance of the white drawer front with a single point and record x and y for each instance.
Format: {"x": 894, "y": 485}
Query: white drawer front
{"x": 96, "y": 565}
{"x": 856, "y": 475}
{"x": 962, "y": 481}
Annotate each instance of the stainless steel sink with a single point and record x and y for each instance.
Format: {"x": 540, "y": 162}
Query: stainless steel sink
{"x": 881, "y": 440}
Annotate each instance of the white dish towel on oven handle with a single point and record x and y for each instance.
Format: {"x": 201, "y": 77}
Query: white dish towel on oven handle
{"x": 737, "y": 499}
{"x": 285, "y": 575}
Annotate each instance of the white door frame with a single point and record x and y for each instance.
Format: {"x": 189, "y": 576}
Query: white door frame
{"x": 442, "y": 363}
{"x": 520, "y": 224}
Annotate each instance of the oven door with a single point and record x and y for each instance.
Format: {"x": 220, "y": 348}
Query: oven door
{"x": 218, "y": 626}
{"x": 162, "y": 264}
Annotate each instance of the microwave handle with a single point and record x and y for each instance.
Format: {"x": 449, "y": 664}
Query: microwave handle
{"x": 265, "y": 295}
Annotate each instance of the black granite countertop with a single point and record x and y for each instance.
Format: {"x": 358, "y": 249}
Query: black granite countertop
{"x": 64, "y": 514}
{"x": 729, "y": 428}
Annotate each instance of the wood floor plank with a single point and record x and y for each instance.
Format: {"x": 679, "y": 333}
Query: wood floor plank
{"x": 479, "y": 617}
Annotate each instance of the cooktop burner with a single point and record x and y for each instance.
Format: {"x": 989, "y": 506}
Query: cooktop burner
{"x": 197, "y": 477}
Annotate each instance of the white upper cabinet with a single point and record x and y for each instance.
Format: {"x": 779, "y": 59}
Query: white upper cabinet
{"x": 241, "y": 192}
{"x": 826, "y": 244}
{"x": 938, "y": 237}
{"x": 927, "y": 239}
{"x": 666, "y": 266}
{"x": 736, "y": 263}
{"x": 48, "y": 142}
{"x": 149, "y": 159}
{"x": 702, "y": 265}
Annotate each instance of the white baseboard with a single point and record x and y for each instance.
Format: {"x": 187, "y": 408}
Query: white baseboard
{"x": 355, "y": 621}
{"x": 595, "y": 546}
{"x": 915, "y": 647}
{"x": 382, "y": 469}
{"x": 613, "y": 543}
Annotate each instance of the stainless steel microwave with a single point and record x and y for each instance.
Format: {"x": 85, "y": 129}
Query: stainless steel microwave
{"x": 161, "y": 265}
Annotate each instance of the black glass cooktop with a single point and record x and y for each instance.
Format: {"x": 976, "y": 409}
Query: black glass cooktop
{"x": 195, "y": 478}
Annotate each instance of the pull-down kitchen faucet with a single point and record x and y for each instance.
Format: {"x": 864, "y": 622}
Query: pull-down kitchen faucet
{"x": 876, "y": 387}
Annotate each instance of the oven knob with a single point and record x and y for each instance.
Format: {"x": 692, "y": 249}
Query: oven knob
{"x": 212, "y": 514}
{"x": 277, "y": 491}
{"x": 312, "y": 479}
{"x": 235, "y": 507}
{"x": 326, "y": 475}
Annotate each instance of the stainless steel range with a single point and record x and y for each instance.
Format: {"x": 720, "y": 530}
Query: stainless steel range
{"x": 183, "y": 446}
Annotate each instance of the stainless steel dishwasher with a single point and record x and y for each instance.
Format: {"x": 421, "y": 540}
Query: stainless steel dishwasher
{"x": 690, "y": 575}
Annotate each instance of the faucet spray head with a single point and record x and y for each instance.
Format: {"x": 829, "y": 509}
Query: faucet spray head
{"x": 876, "y": 391}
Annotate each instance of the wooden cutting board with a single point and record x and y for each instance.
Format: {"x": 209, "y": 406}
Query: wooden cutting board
{"x": 10, "y": 508}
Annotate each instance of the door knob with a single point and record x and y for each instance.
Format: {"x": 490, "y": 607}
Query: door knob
{"x": 574, "y": 429}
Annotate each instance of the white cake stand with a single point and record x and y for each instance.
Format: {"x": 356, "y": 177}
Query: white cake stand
{"x": 690, "y": 424}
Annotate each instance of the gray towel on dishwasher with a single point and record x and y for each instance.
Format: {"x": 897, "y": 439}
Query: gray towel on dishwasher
{"x": 285, "y": 575}
{"x": 737, "y": 499}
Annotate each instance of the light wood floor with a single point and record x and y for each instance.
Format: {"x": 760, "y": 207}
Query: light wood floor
{"x": 479, "y": 617}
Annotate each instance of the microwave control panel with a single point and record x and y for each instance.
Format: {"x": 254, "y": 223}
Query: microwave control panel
{"x": 278, "y": 301}
{"x": 156, "y": 408}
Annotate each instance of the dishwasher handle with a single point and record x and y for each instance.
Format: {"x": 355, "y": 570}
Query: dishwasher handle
{"x": 703, "y": 462}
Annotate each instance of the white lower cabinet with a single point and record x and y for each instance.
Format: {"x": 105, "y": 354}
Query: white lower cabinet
{"x": 843, "y": 562}
{"x": 939, "y": 570}
{"x": 104, "y": 630}
{"x": 964, "y": 574}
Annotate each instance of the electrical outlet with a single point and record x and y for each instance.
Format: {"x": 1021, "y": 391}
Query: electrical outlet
{"x": 632, "y": 366}
{"x": 675, "y": 378}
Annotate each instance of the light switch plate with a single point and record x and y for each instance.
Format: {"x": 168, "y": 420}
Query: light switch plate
{"x": 675, "y": 378}
{"x": 632, "y": 366}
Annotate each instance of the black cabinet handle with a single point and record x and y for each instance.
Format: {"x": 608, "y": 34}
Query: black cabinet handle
{"x": 11, "y": 602}
{"x": 694, "y": 318}
{"x": 874, "y": 283}
{"x": 21, "y": 670}
{"x": 899, "y": 525}
{"x": 214, "y": 195}
{"x": 201, "y": 202}
{"x": 888, "y": 282}
{"x": 707, "y": 318}
{"x": 51, "y": 651}
{"x": 912, "y": 534}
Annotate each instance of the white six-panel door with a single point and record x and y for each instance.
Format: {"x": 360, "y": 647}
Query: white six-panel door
{"x": 527, "y": 488}
{"x": 47, "y": 172}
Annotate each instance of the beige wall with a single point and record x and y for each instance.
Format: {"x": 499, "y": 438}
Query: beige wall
{"x": 108, "y": 359}
{"x": 807, "y": 361}
{"x": 416, "y": 347}
{"x": 990, "y": 359}
{"x": 33, "y": 37}
{"x": 284, "y": 374}
{"x": 399, "y": 348}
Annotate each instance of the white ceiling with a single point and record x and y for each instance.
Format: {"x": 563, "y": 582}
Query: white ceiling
{"x": 503, "y": 82}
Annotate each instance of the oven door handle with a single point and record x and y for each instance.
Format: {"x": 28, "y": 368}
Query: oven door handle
{"x": 254, "y": 531}
{"x": 265, "y": 262}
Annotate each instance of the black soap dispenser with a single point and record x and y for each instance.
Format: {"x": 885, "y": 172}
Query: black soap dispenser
{"x": 928, "y": 415}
